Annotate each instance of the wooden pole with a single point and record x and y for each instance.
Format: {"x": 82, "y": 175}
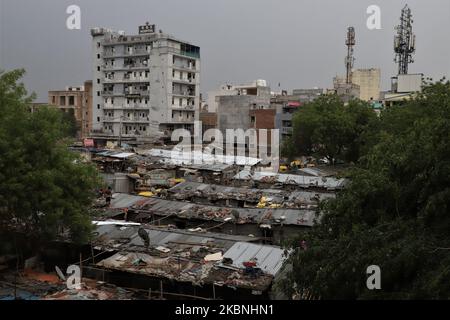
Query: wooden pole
{"x": 81, "y": 266}
{"x": 92, "y": 253}
{"x": 161, "y": 289}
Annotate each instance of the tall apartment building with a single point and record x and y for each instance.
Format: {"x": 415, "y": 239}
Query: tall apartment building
{"x": 76, "y": 100}
{"x": 143, "y": 85}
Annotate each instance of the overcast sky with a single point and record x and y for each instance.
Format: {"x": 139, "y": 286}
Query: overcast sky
{"x": 298, "y": 43}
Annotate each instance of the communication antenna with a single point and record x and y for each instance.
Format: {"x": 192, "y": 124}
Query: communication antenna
{"x": 404, "y": 41}
{"x": 349, "y": 59}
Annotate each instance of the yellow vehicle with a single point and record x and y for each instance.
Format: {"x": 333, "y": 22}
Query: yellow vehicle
{"x": 283, "y": 168}
{"x": 296, "y": 163}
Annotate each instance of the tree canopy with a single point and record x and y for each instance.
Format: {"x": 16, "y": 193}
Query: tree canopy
{"x": 395, "y": 213}
{"x": 45, "y": 189}
{"x": 329, "y": 128}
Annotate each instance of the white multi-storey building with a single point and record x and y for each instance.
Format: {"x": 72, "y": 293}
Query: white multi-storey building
{"x": 143, "y": 84}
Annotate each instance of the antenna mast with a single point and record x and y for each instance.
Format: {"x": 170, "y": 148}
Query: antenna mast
{"x": 404, "y": 41}
{"x": 349, "y": 59}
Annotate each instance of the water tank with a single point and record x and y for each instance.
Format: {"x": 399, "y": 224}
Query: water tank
{"x": 261, "y": 83}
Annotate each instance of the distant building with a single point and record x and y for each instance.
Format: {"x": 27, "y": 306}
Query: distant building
{"x": 36, "y": 106}
{"x": 144, "y": 84}
{"x": 368, "y": 81}
{"x": 233, "y": 110}
{"x": 403, "y": 87}
{"x": 286, "y": 105}
{"x": 346, "y": 91}
{"x": 208, "y": 120}
{"x": 263, "y": 119}
{"x": 76, "y": 101}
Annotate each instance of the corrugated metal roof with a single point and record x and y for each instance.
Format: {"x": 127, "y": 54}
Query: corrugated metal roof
{"x": 124, "y": 200}
{"x": 300, "y": 217}
{"x": 180, "y": 157}
{"x": 185, "y": 189}
{"x": 270, "y": 259}
{"x": 303, "y": 181}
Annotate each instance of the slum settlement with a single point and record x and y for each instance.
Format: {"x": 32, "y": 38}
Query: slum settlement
{"x": 169, "y": 227}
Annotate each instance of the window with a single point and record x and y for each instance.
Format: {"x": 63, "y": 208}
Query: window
{"x": 98, "y": 80}
{"x": 71, "y": 100}
{"x": 98, "y": 106}
{"x": 53, "y": 99}
{"x": 98, "y": 44}
{"x": 98, "y": 93}
{"x": 98, "y": 55}
{"x": 98, "y": 119}
{"x": 62, "y": 101}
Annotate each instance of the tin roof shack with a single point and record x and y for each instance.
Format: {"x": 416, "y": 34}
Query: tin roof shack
{"x": 193, "y": 166}
{"x": 288, "y": 181}
{"x": 269, "y": 224}
{"x": 245, "y": 197}
{"x": 113, "y": 161}
{"x": 181, "y": 263}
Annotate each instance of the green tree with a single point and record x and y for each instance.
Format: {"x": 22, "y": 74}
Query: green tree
{"x": 395, "y": 213}
{"x": 329, "y": 128}
{"x": 45, "y": 189}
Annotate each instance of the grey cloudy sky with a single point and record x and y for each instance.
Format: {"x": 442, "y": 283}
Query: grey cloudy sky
{"x": 298, "y": 43}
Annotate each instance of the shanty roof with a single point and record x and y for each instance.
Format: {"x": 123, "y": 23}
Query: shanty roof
{"x": 187, "y": 189}
{"x": 180, "y": 157}
{"x": 162, "y": 207}
{"x": 116, "y": 154}
{"x": 270, "y": 259}
{"x": 189, "y": 257}
{"x": 124, "y": 200}
{"x": 303, "y": 181}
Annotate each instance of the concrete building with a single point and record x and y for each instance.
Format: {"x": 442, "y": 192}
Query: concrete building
{"x": 233, "y": 110}
{"x": 403, "y": 87}
{"x": 209, "y": 120}
{"x": 263, "y": 119}
{"x": 368, "y": 81}
{"x": 346, "y": 91}
{"x": 76, "y": 100}
{"x": 286, "y": 105}
{"x": 144, "y": 85}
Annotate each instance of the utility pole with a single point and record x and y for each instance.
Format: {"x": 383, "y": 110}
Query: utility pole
{"x": 349, "y": 59}
{"x": 404, "y": 41}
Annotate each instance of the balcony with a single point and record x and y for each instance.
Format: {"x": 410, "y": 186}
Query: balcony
{"x": 286, "y": 130}
{"x": 136, "y": 120}
{"x": 195, "y": 55}
{"x": 184, "y": 107}
{"x": 136, "y": 93}
{"x": 185, "y": 80}
{"x": 136, "y": 106}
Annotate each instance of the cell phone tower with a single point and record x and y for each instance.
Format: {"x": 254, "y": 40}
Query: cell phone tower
{"x": 349, "y": 59}
{"x": 404, "y": 41}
